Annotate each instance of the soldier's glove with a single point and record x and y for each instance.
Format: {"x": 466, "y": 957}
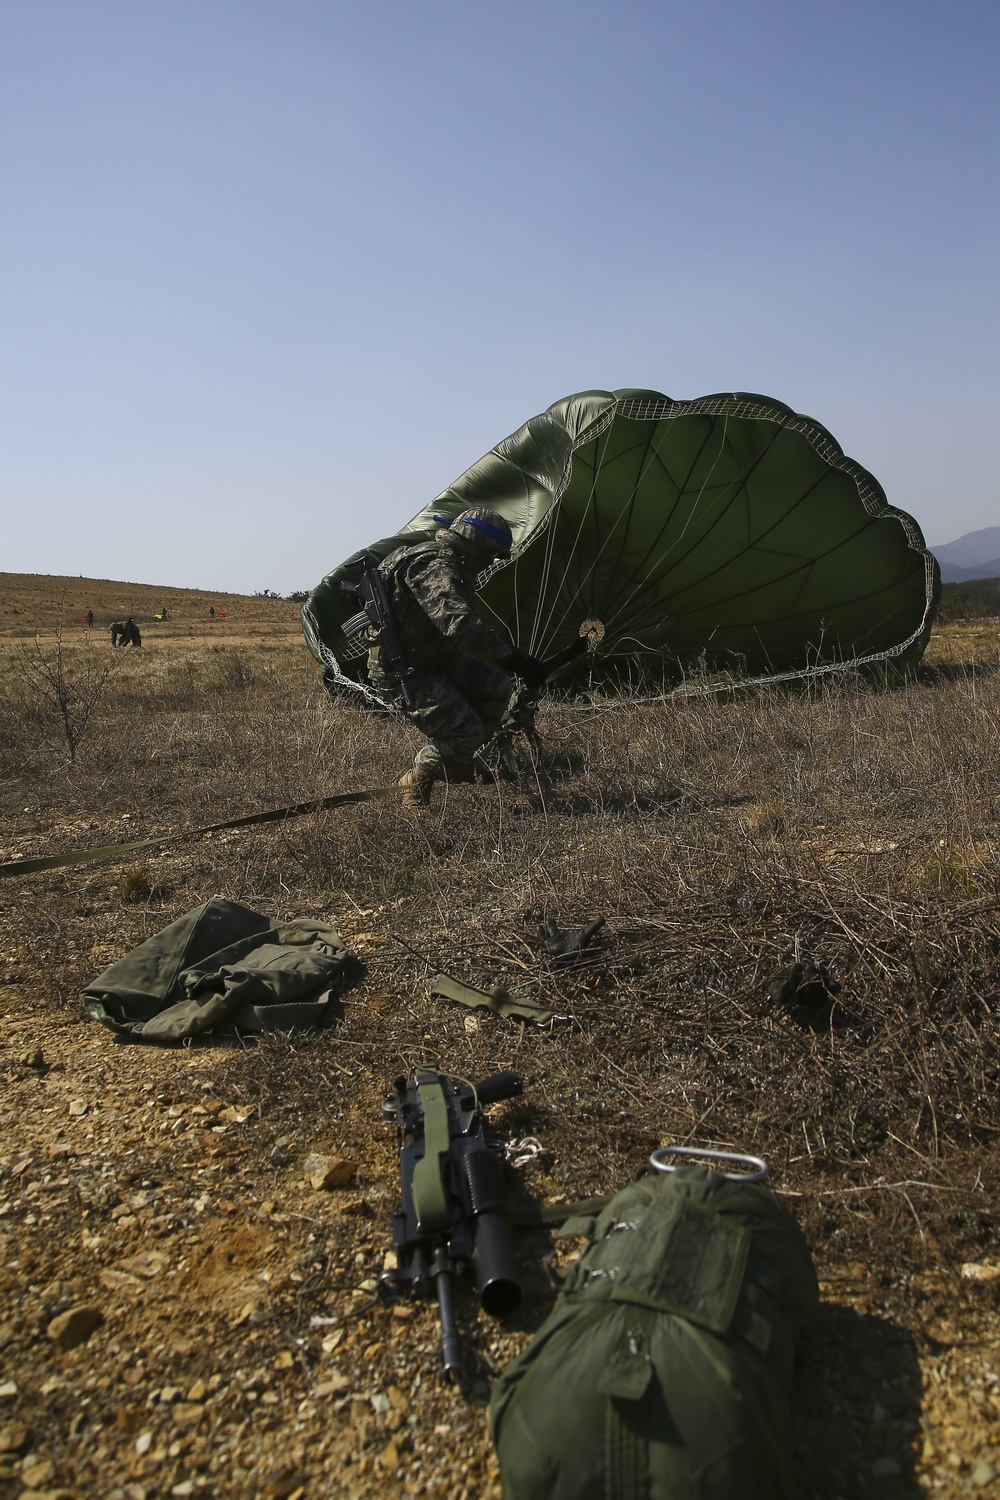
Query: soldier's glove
{"x": 529, "y": 668}
{"x": 806, "y": 990}
{"x": 568, "y": 944}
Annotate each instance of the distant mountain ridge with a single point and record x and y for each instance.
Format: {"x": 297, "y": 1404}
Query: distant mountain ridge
{"x": 974, "y": 555}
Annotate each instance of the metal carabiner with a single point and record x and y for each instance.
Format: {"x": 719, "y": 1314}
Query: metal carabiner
{"x": 757, "y": 1164}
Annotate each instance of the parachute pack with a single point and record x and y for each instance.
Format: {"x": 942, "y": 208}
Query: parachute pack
{"x": 665, "y": 1370}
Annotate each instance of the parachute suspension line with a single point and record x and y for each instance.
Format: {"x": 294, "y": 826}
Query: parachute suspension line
{"x": 600, "y": 552}
{"x": 544, "y": 524}
{"x": 592, "y": 434}
{"x": 629, "y": 508}
{"x": 681, "y": 490}
{"x": 737, "y": 485}
{"x": 574, "y": 598}
{"x": 640, "y": 586}
{"x": 333, "y": 666}
{"x": 543, "y": 643}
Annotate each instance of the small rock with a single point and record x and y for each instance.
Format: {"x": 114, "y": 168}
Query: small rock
{"x": 389, "y": 1457}
{"x": 282, "y": 1483}
{"x": 149, "y": 1264}
{"x": 983, "y": 1472}
{"x": 400, "y": 1313}
{"x": 397, "y": 1399}
{"x": 188, "y": 1413}
{"x": 33, "y": 1058}
{"x": 119, "y": 1281}
{"x": 6, "y": 1334}
{"x": 38, "y": 1474}
{"x": 886, "y": 1468}
{"x": 334, "y": 1385}
{"x": 237, "y": 1115}
{"x": 185, "y": 1488}
{"x": 74, "y": 1326}
{"x": 285, "y": 1360}
{"x": 980, "y": 1271}
{"x": 14, "y": 1437}
{"x": 198, "y": 1391}
{"x": 247, "y": 1313}
{"x": 77, "y": 1107}
{"x": 143, "y": 1443}
{"x": 359, "y": 1207}
{"x": 170, "y": 1393}
{"x": 8, "y": 1391}
{"x": 325, "y": 1172}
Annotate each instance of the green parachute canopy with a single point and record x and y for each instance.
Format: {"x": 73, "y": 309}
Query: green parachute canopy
{"x": 726, "y": 531}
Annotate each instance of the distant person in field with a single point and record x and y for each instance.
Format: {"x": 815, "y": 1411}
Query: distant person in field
{"x": 90, "y": 619}
{"x": 211, "y": 612}
{"x": 125, "y": 633}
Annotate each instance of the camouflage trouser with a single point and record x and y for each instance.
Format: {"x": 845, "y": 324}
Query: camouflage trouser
{"x": 459, "y": 709}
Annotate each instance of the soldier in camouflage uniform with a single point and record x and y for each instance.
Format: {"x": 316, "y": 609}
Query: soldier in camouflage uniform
{"x": 461, "y": 668}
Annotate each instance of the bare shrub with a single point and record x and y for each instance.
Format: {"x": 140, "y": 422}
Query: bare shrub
{"x": 64, "y": 696}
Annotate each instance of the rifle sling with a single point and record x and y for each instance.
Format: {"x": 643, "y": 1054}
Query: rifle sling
{"x": 496, "y": 1000}
{"x": 430, "y": 1200}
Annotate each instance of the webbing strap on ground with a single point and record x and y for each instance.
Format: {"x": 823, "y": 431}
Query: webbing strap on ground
{"x": 534, "y": 1215}
{"x": 274, "y": 815}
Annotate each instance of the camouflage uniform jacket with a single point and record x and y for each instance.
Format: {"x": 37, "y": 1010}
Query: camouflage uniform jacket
{"x": 432, "y": 590}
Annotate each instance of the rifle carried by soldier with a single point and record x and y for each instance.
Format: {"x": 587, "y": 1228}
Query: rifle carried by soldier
{"x": 377, "y": 610}
{"x": 452, "y": 1214}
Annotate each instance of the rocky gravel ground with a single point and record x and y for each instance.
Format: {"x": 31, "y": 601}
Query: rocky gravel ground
{"x": 184, "y": 1313}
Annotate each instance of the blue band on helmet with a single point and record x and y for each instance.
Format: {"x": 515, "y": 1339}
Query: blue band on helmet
{"x": 502, "y": 538}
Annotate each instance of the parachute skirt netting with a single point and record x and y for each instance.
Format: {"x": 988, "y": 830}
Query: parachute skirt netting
{"x": 727, "y": 533}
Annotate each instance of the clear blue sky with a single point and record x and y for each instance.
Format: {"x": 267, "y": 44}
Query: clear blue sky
{"x": 274, "y": 272}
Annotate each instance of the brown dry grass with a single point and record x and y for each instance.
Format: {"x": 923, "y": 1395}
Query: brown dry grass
{"x": 33, "y": 603}
{"x": 713, "y": 835}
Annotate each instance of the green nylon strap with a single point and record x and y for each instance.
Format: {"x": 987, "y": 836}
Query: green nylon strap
{"x": 275, "y": 815}
{"x": 536, "y": 1214}
{"x": 497, "y": 1000}
{"x": 430, "y": 1201}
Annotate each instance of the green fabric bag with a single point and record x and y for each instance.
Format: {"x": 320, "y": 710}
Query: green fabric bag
{"x": 221, "y": 968}
{"x": 665, "y": 1370}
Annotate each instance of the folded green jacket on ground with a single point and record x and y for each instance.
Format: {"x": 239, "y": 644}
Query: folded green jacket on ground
{"x": 225, "y": 969}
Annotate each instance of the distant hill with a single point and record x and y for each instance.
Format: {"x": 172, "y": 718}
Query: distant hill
{"x": 31, "y": 602}
{"x": 974, "y": 555}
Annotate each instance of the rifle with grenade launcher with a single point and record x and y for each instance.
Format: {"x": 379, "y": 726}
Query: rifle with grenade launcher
{"x": 452, "y": 1215}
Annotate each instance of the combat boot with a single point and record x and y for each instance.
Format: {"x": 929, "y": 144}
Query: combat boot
{"x": 416, "y": 785}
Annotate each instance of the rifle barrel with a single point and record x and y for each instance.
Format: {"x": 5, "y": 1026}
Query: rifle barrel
{"x": 451, "y": 1359}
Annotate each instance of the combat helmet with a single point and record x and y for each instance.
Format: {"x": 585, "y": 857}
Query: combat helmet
{"x": 487, "y": 528}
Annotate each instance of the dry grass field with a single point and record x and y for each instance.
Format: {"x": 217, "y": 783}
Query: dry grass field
{"x": 34, "y": 604}
{"x": 165, "y": 1188}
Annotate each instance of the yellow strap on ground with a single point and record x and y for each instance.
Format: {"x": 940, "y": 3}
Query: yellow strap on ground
{"x": 275, "y": 815}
